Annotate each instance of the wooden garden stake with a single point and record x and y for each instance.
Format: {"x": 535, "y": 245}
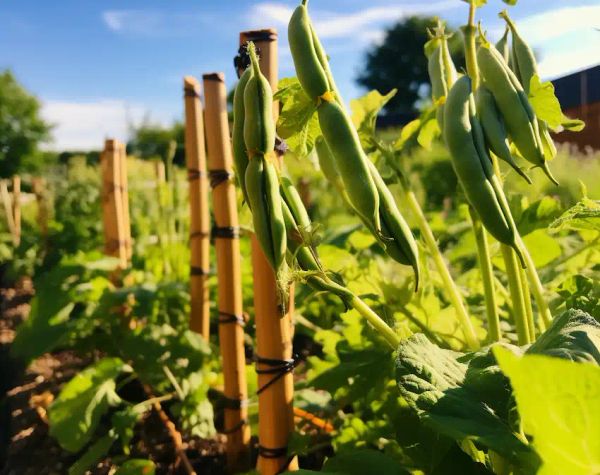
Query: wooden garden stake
{"x": 274, "y": 331}
{"x": 229, "y": 274}
{"x": 8, "y": 208}
{"x": 125, "y": 201}
{"x": 195, "y": 158}
{"x": 16, "y": 208}
{"x": 112, "y": 203}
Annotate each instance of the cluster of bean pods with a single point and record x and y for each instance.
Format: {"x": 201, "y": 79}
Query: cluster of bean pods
{"x": 481, "y": 122}
{"x": 341, "y": 155}
{"x": 254, "y": 145}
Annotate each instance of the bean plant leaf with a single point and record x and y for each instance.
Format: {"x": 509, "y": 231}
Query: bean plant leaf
{"x": 195, "y": 412}
{"x": 547, "y": 107}
{"x": 559, "y": 406}
{"x": 151, "y": 347}
{"x": 428, "y": 132}
{"x": 75, "y": 414}
{"x": 137, "y": 467}
{"x": 581, "y": 292}
{"x": 574, "y": 335}
{"x": 510, "y": 2}
{"x": 124, "y": 422}
{"x": 538, "y": 215}
{"x": 583, "y": 215}
{"x": 364, "y": 115}
{"x": 431, "y": 380}
{"x": 297, "y": 123}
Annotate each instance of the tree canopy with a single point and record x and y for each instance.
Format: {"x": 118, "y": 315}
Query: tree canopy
{"x": 399, "y": 62}
{"x": 21, "y": 128}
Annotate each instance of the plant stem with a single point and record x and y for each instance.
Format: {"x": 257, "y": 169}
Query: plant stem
{"x": 528, "y": 308}
{"x": 516, "y": 292}
{"x": 383, "y": 328}
{"x": 450, "y": 286}
{"x": 536, "y": 285}
{"x": 487, "y": 275}
{"x": 470, "y": 48}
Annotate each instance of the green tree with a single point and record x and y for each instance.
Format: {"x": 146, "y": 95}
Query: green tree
{"x": 399, "y": 62}
{"x": 153, "y": 141}
{"x": 21, "y": 128}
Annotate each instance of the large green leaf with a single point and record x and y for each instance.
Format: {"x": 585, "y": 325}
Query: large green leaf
{"x": 151, "y": 347}
{"x": 431, "y": 380}
{"x": 364, "y": 115}
{"x": 559, "y": 406}
{"x": 75, "y": 414}
{"x": 574, "y": 335}
{"x": 584, "y": 215}
{"x": 297, "y": 123}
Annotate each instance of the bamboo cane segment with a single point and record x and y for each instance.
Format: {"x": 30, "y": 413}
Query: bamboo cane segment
{"x": 195, "y": 157}
{"x": 125, "y": 201}
{"x": 112, "y": 203}
{"x": 16, "y": 207}
{"x": 229, "y": 274}
{"x": 274, "y": 331}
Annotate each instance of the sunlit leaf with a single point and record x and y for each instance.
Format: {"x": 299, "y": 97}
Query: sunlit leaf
{"x": 559, "y": 408}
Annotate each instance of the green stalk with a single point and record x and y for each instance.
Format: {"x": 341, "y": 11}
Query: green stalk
{"x": 470, "y": 47}
{"x": 451, "y": 288}
{"x": 536, "y": 286}
{"x": 383, "y": 328}
{"x": 528, "y": 307}
{"x": 487, "y": 275}
{"x": 516, "y": 292}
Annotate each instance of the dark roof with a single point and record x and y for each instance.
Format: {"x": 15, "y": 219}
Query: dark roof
{"x": 578, "y": 88}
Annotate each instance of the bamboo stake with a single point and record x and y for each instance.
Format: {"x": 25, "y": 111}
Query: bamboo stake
{"x": 8, "y": 209}
{"x": 16, "y": 208}
{"x": 199, "y": 217}
{"x": 125, "y": 201}
{"x": 112, "y": 202}
{"x": 229, "y": 273}
{"x": 273, "y": 331}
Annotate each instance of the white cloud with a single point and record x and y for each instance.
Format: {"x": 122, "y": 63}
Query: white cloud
{"x": 334, "y": 25}
{"x": 85, "y": 125}
{"x": 552, "y": 24}
{"x": 153, "y": 22}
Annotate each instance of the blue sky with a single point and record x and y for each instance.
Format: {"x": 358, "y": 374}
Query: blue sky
{"x": 98, "y": 64}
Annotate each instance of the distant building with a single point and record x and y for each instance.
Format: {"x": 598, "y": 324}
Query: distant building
{"x": 579, "y": 96}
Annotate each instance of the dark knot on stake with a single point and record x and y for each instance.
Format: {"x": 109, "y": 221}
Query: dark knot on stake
{"x": 278, "y": 368}
{"x": 217, "y": 177}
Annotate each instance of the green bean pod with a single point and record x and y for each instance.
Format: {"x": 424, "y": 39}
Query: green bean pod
{"x": 350, "y": 160}
{"x": 519, "y": 117}
{"x": 262, "y": 185}
{"x": 525, "y": 67}
{"x": 473, "y": 166}
{"x": 309, "y": 69}
{"x": 240, "y": 156}
{"x": 396, "y": 237}
{"x": 327, "y": 164}
{"x": 306, "y": 256}
{"x": 494, "y": 130}
{"x": 503, "y": 47}
{"x": 291, "y": 196}
{"x": 441, "y": 69}
{"x": 259, "y": 126}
